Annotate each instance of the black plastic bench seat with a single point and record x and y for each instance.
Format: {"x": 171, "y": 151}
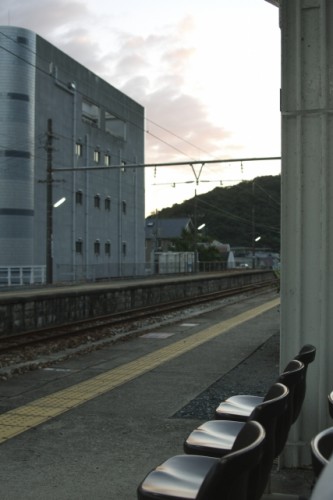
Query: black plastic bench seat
{"x": 238, "y": 407}
{"x": 213, "y": 438}
{"x": 321, "y": 450}
{"x": 194, "y": 477}
{"x": 178, "y": 477}
{"x": 216, "y": 437}
{"x": 307, "y": 354}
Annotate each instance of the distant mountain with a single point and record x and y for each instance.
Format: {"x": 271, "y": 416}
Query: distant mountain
{"x": 236, "y": 214}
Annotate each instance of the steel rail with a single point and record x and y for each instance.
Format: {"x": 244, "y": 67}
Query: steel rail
{"x": 95, "y": 324}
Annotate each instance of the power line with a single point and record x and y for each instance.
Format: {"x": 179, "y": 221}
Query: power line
{"x": 110, "y": 98}
{"x": 268, "y": 194}
{"x": 168, "y": 164}
{"x": 177, "y": 136}
{"x": 137, "y": 126}
{"x": 125, "y": 107}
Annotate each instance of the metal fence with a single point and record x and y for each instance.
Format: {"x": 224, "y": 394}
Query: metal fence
{"x": 36, "y": 275}
{"x": 22, "y": 275}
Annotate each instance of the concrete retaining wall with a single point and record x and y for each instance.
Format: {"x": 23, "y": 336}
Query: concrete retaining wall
{"x": 30, "y": 309}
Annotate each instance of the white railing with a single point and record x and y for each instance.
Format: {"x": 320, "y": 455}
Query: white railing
{"x": 22, "y": 275}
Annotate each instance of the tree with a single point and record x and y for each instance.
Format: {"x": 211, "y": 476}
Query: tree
{"x": 228, "y": 212}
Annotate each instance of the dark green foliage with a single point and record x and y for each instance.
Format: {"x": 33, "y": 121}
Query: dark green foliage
{"x": 211, "y": 254}
{"x": 234, "y": 214}
{"x": 186, "y": 243}
{"x": 189, "y": 242}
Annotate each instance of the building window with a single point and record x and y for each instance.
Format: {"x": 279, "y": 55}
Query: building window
{"x": 97, "y": 247}
{"x": 78, "y": 246}
{"x": 124, "y": 248}
{"x": 107, "y": 160}
{"x": 97, "y": 201}
{"x": 107, "y": 248}
{"x": 124, "y": 207}
{"x": 107, "y": 204}
{"x": 79, "y": 197}
{"x": 78, "y": 149}
{"x": 97, "y": 156}
{"x": 22, "y": 39}
{"x": 115, "y": 126}
{"x": 90, "y": 113}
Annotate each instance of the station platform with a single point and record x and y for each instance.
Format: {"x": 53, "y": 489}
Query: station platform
{"x": 92, "y": 426}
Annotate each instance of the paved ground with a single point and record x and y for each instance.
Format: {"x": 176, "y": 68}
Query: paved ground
{"x": 102, "y": 449}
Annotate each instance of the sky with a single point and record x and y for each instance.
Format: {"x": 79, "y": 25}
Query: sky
{"x": 207, "y": 73}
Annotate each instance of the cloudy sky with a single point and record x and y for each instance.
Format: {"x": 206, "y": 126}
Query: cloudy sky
{"x": 208, "y": 74}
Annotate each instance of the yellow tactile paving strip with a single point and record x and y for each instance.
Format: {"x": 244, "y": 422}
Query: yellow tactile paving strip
{"x": 25, "y": 417}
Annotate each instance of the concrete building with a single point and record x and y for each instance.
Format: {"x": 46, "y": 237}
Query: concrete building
{"x": 56, "y": 114}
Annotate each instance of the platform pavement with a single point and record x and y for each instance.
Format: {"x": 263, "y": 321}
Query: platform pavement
{"x": 103, "y": 448}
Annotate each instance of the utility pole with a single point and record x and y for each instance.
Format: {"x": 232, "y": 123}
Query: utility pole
{"x": 49, "y": 204}
{"x": 195, "y": 232}
{"x": 253, "y": 229}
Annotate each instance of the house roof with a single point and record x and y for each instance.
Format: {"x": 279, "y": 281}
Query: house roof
{"x": 166, "y": 228}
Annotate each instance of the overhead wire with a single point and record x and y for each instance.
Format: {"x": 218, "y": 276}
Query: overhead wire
{"x": 70, "y": 138}
{"x": 143, "y": 129}
{"x": 56, "y": 134}
{"x": 83, "y": 95}
{"x": 233, "y": 216}
{"x": 212, "y": 208}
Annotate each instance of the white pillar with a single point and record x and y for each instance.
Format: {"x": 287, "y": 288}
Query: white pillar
{"x": 307, "y": 207}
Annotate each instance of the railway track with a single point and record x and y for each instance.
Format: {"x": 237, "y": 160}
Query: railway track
{"x": 99, "y": 324}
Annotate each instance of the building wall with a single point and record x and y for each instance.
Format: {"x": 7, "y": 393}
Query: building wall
{"x": 17, "y": 101}
{"x": 83, "y": 107}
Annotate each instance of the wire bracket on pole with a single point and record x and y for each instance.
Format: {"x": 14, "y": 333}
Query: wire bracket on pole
{"x": 197, "y": 175}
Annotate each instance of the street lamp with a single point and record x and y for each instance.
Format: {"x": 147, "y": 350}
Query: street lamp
{"x": 49, "y": 235}
{"x": 258, "y": 238}
{"x": 59, "y": 202}
{"x": 196, "y": 246}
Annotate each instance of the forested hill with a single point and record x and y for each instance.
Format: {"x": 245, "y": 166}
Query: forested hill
{"x": 233, "y": 214}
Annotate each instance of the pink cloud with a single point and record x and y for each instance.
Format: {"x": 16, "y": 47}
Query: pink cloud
{"x": 152, "y": 69}
{"x": 160, "y": 89}
{"x": 187, "y": 118}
